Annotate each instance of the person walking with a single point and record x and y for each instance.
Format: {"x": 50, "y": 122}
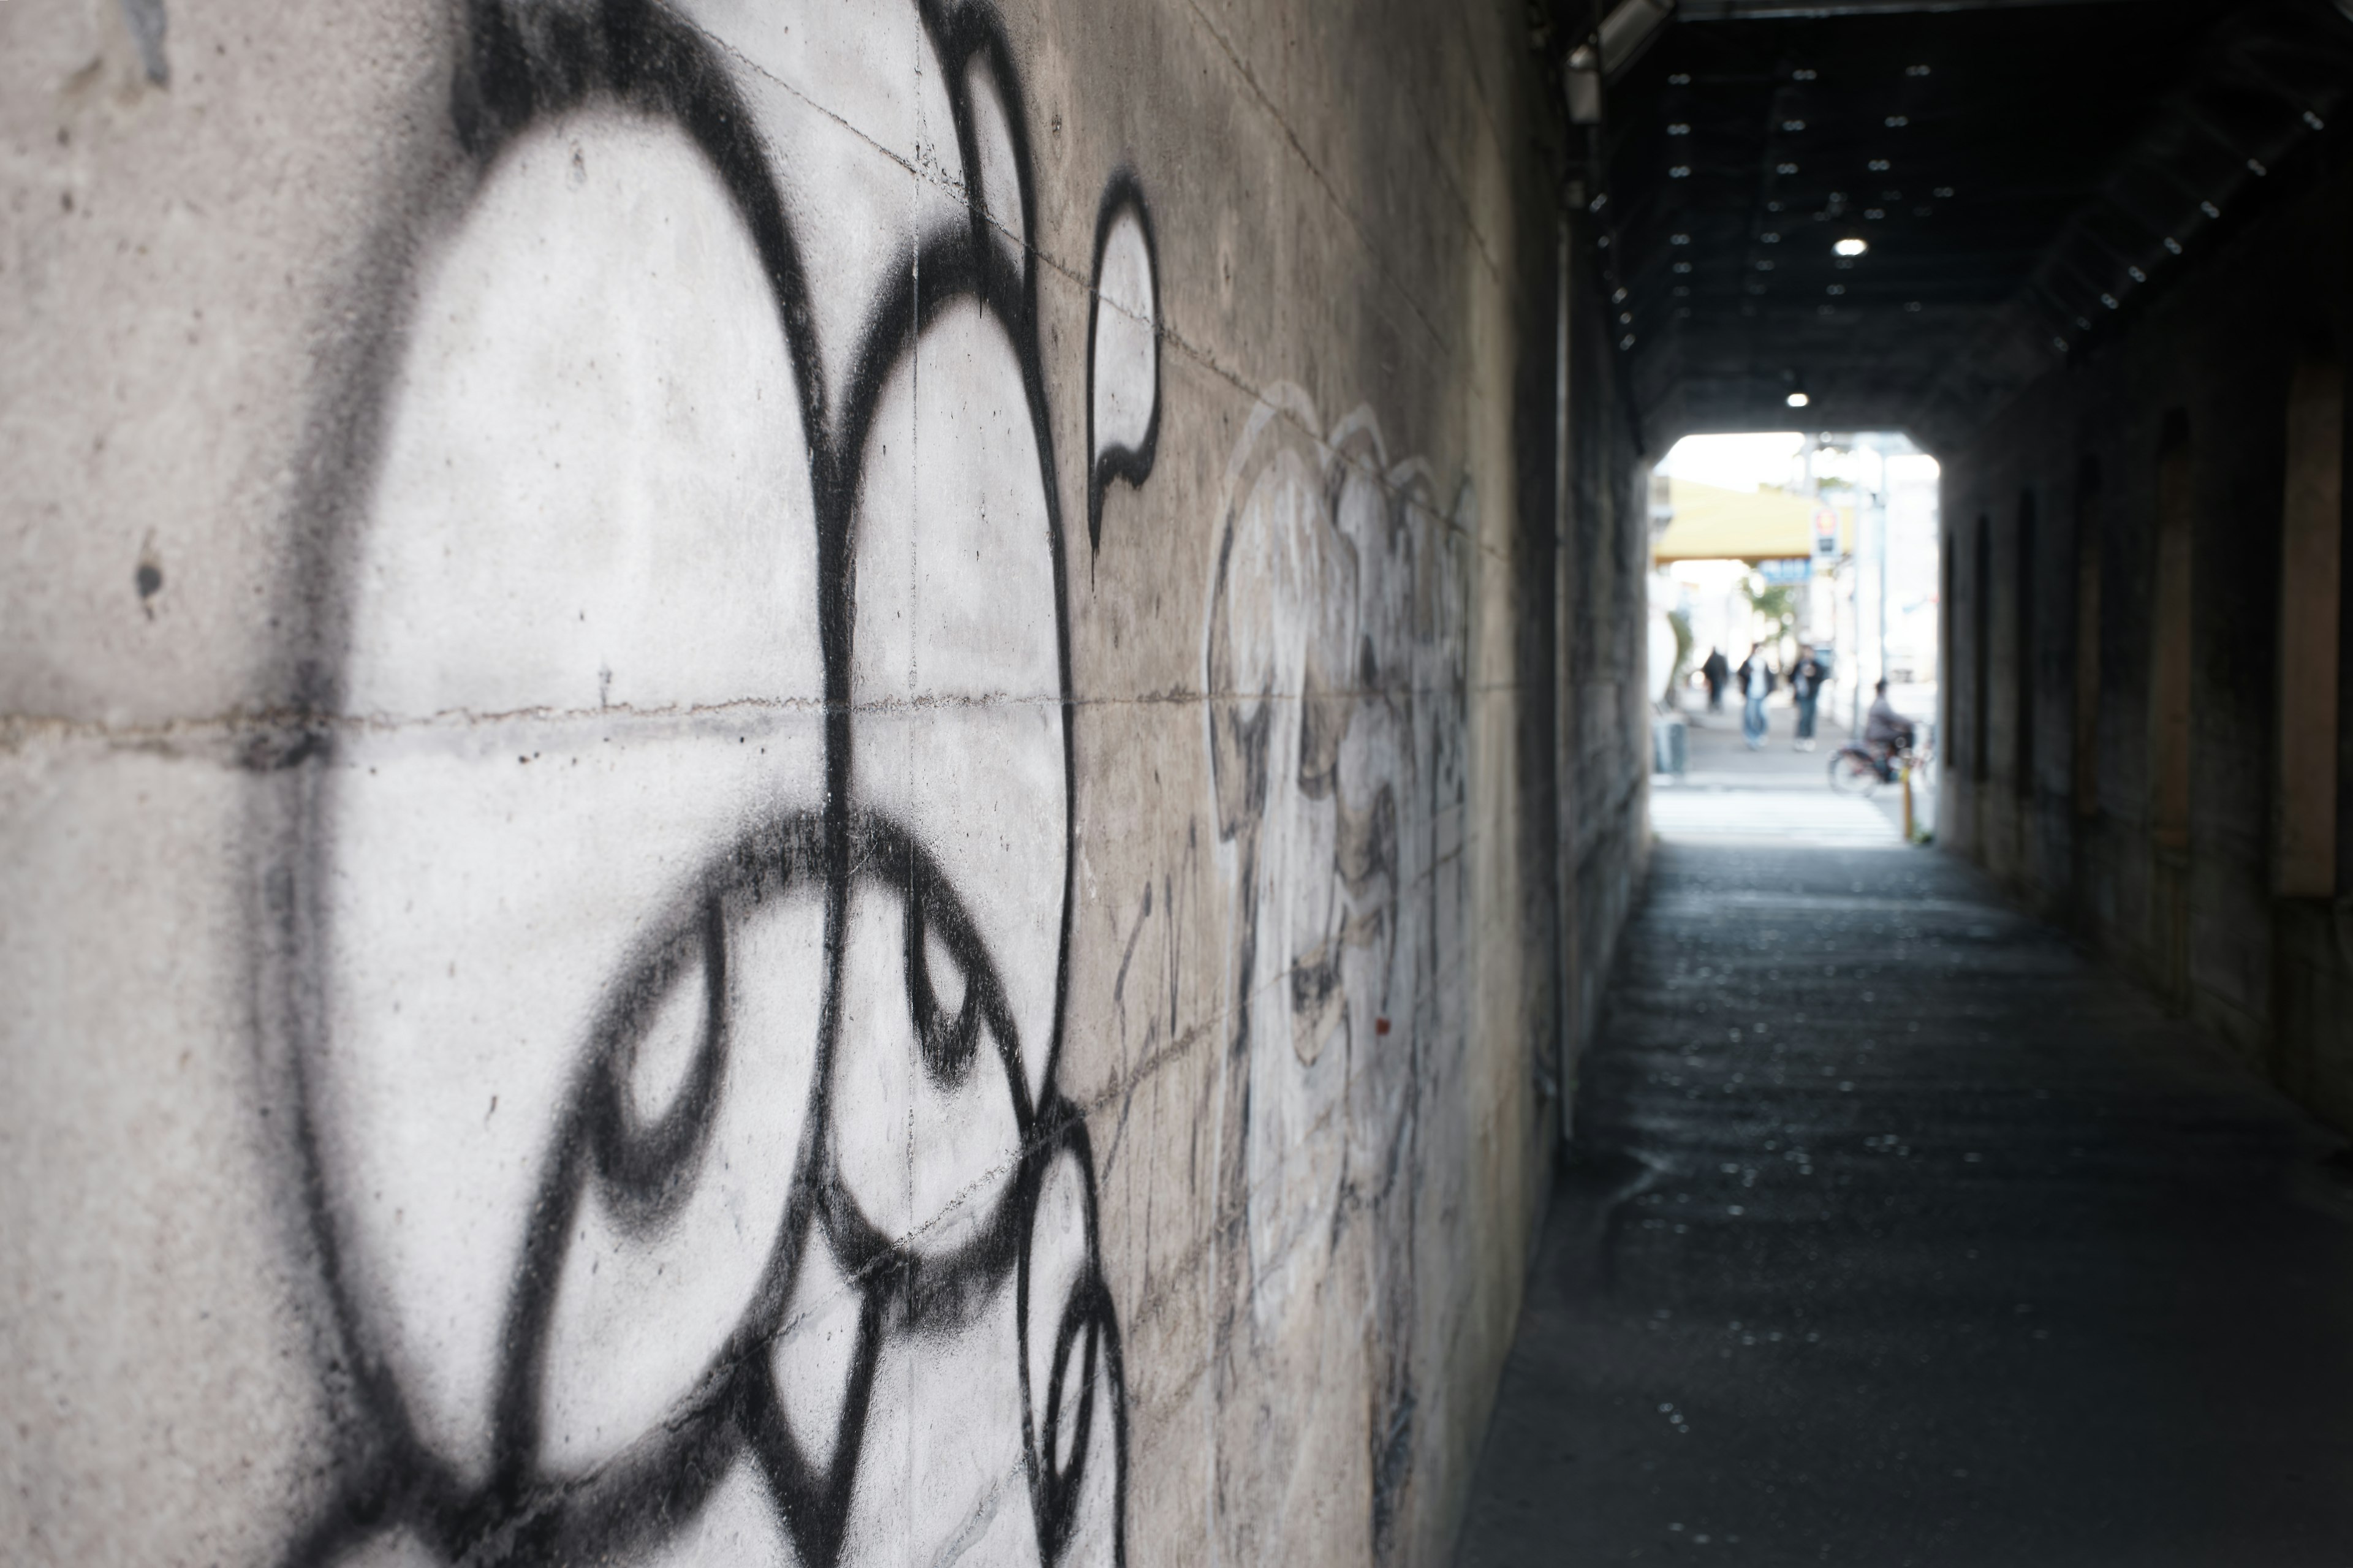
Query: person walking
{"x": 1715, "y": 670}
{"x": 1756, "y": 679}
{"x": 1806, "y": 679}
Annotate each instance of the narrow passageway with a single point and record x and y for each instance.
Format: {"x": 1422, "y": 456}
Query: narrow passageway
{"x": 1895, "y": 1232}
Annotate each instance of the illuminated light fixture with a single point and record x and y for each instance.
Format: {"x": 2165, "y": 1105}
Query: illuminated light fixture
{"x": 1785, "y": 168}
{"x": 1851, "y": 246}
{"x": 1796, "y": 400}
{"x": 1897, "y": 121}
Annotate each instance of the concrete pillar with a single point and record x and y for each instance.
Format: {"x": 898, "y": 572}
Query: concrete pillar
{"x": 2303, "y": 815}
{"x": 2171, "y": 645}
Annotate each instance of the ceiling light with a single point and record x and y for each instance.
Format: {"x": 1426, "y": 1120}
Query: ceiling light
{"x": 1798, "y": 400}
{"x": 1852, "y": 246}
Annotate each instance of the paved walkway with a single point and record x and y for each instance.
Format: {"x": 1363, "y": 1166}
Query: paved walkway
{"x": 1899, "y": 1235}
{"x": 1731, "y": 795}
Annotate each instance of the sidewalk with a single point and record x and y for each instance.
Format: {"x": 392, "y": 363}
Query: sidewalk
{"x": 1777, "y": 795}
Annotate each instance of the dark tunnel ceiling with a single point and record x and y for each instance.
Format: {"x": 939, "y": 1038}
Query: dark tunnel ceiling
{"x": 2025, "y": 179}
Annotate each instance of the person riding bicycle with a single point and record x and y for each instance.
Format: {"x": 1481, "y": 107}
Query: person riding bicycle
{"x": 1887, "y": 734}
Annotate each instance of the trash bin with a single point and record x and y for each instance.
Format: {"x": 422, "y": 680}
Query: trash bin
{"x": 1670, "y": 746}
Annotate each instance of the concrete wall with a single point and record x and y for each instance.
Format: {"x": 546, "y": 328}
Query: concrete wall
{"x": 2146, "y": 570}
{"x": 786, "y": 782}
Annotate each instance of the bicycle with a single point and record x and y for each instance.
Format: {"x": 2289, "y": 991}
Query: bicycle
{"x": 1856, "y": 769}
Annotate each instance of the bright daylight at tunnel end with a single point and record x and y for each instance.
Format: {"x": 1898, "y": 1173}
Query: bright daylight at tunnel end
{"x": 811, "y": 783}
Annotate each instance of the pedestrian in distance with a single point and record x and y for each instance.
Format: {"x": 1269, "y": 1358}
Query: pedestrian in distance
{"x": 1806, "y": 679}
{"x": 1756, "y": 680}
{"x": 1715, "y": 670}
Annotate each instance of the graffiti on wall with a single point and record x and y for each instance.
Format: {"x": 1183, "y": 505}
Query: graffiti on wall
{"x": 684, "y": 898}
{"x": 1333, "y": 660}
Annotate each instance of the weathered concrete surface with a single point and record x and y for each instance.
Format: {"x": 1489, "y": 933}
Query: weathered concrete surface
{"x": 779, "y": 779}
{"x": 1903, "y": 1234}
{"x": 2148, "y": 731}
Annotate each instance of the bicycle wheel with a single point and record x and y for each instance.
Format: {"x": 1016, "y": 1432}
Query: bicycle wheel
{"x": 1851, "y": 772}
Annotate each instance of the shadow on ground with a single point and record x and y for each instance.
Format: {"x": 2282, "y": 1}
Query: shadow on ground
{"x": 1901, "y": 1235}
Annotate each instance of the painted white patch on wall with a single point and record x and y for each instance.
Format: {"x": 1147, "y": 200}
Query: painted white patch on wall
{"x": 1127, "y": 343}
{"x": 688, "y": 891}
{"x": 1334, "y": 660}
{"x": 584, "y": 615}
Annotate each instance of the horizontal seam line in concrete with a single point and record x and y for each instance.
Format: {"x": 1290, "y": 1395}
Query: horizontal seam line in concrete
{"x": 18, "y": 730}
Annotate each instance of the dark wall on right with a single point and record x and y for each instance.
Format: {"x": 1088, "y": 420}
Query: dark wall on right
{"x": 2144, "y": 706}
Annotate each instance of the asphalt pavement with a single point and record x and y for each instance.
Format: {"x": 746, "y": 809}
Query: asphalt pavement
{"x": 1899, "y": 1232}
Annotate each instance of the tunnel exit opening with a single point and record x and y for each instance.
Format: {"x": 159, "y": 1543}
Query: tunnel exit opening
{"x": 1793, "y": 572}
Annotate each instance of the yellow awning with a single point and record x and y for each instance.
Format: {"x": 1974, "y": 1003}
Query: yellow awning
{"x": 1711, "y": 523}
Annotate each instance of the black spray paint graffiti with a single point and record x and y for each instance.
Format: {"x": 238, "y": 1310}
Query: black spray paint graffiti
{"x": 1123, "y": 363}
{"x": 680, "y": 946}
{"x": 1334, "y": 660}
